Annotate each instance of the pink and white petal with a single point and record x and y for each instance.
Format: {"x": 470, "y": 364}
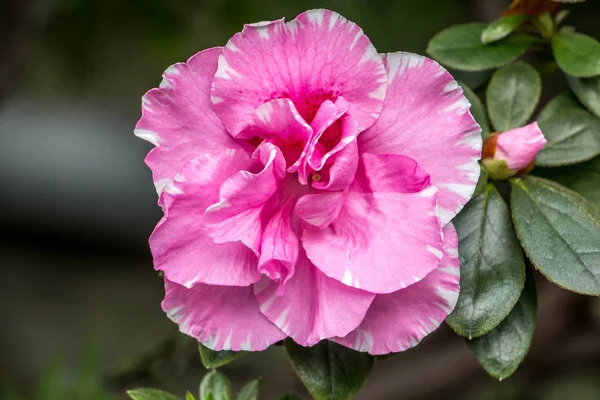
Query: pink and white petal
{"x": 340, "y": 170}
{"x": 426, "y": 116}
{"x": 398, "y": 321}
{"x": 237, "y": 215}
{"x": 220, "y": 317}
{"x": 279, "y": 246}
{"x": 387, "y": 235}
{"x": 320, "y": 209}
{"x": 178, "y": 117}
{"x": 310, "y": 306}
{"x": 318, "y": 56}
{"x": 180, "y": 245}
{"x": 519, "y": 146}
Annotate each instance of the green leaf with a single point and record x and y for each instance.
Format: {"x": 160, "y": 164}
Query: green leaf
{"x": 573, "y": 134}
{"x": 560, "y": 232}
{"x": 587, "y": 91}
{"x": 328, "y": 370}
{"x": 577, "y": 54}
{"x": 501, "y": 28}
{"x": 477, "y": 109}
{"x": 583, "y": 178}
{"x": 482, "y": 182}
{"x": 502, "y": 350}
{"x": 460, "y": 47}
{"x": 189, "y": 396}
{"x": 150, "y": 394}
{"x": 512, "y": 95}
{"x": 216, "y": 359}
{"x": 250, "y": 391}
{"x": 290, "y": 396}
{"x": 52, "y": 384}
{"x": 492, "y": 271}
{"x": 215, "y": 386}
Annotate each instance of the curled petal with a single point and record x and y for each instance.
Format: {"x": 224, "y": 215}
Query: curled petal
{"x": 311, "y": 306}
{"x": 316, "y": 57}
{"x": 387, "y": 234}
{"x": 178, "y": 118}
{"x": 426, "y": 117}
{"x": 398, "y": 321}
{"x": 340, "y": 169}
{"x": 220, "y": 317}
{"x": 180, "y": 245}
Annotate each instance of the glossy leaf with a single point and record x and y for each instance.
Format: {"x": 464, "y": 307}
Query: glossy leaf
{"x": 587, "y": 91}
{"x": 215, "y": 386}
{"x": 250, "y": 391}
{"x": 501, "y": 28}
{"x": 460, "y": 47}
{"x": 482, "y": 181}
{"x": 329, "y": 370}
{"x": 215, "y": 359}
{"x": 573, "y": 134}
{"x": 492, "y": 271}
{"x": 560, "y": 232}
{"x": 577, "y": 54}
{"x": 583, "y": 178}
{"x": 502, "y": 350}
{"x": 150, "y": 394}
{"x": 477, "y": 109}
{"x": 512, "y": 95}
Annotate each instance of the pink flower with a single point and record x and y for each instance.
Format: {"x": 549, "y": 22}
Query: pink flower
{"x": 512, "y": 152}
{"x": 308, "y": 184}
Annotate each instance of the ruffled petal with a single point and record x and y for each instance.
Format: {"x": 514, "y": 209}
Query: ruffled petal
{"x": 426, "y": 117}
{"x": 387, "y": 235}
{"x": 398, "y": 321}
{"x": 316, "y": 57}
{"x": 310, "y": 306}
{"x": 320, "y": 209}
{"x": 178, "y": 118}
{"x": 180, "y": 245}
{"x": 339, "y": 171}
{"x": 237, "y": 215}
{"x": 220, "y": 317}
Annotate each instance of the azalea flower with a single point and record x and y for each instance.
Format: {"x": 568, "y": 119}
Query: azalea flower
{"x": 308, "y": 184}
{"x": 513, "y": 152}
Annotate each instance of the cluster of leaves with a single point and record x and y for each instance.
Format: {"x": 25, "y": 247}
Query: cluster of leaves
{"x": 558, "y": 228}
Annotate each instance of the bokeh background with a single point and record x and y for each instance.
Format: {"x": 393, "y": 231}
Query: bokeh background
{"x": 80, "y": 313}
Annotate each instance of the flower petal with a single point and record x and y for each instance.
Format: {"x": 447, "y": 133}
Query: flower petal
{"x": 520, "y": 146}
{"x": 237, "y": 215}
{"x": 320, "y": 209}
{"x": 339, "y": 171}
{"x": 398, "y": 321}
{"x": 387, "y": 235}
{"x": 310, "y": 306}
{"x": 180, "y": 245}
{"x": 426, "y": 117}
{"x": 318, "y": 56}
{"x": 178, "y": 118}
{"x": 220, "y": 317}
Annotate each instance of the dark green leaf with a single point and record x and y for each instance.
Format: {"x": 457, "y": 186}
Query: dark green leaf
{"x": 477, "y": 110}
{"x": 328, "y": 370}
{"x": 482, "y": 182}
{"x": 560, "y": 232}
{"x": 150, "y": 394}
{"x": 492, "y": 271}
{"x": 215, "y": 386}
{"x": 501, "y": 28}
{"x": 583, "y": 178}
{"x": 502, "y": 350}
{"x": 216, "y": 359}
{"x": 587, "y": 91}
{"x": 573, "y": 134}
{"x": 512, "y": 95}
{"x": 250, "y": 391}
{"x": 577, "y": 54}
{"x": 460, "y": 47}
{"x": 473, "y": 79}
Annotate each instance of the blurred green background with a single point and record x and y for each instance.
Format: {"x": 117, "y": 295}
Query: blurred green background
{"x": 80, "y": 310}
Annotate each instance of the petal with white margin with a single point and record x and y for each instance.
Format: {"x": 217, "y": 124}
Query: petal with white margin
{"x": 311, "y": 306}
{"x": 220, "y": 317}
{"x": 398, "y": 321}
{"x": 426, "y": 116}
{"x": 387, "y": 235}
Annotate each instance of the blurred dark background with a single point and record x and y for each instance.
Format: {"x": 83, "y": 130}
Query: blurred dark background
{"x": 80, "y": 301}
